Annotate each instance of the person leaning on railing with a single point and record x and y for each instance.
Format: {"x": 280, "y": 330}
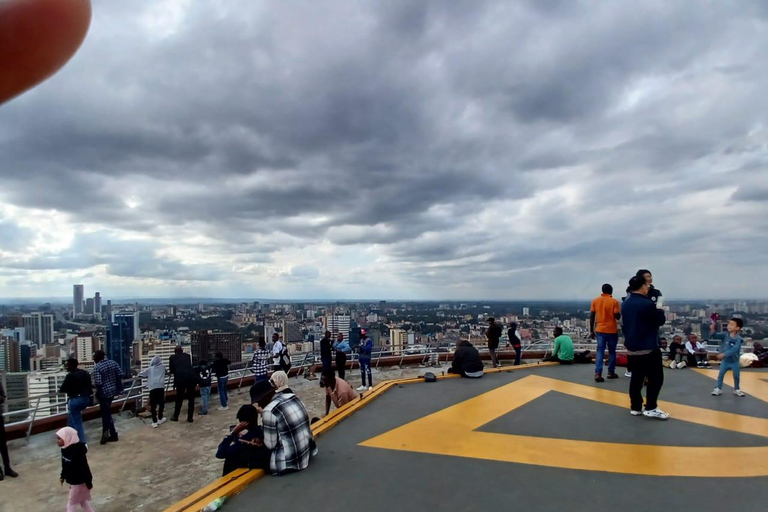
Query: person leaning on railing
{"x": 3, "y": 446}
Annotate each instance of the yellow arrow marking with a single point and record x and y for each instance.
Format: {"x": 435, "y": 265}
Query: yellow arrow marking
{"x": 452, "y": 431}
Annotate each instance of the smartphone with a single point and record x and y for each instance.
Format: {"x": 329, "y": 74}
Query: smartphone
{"x": 231, "y": 428}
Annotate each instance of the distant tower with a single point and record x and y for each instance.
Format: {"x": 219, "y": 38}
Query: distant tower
{"x": 77, "y": 299}
{"x": 97, "y": 304}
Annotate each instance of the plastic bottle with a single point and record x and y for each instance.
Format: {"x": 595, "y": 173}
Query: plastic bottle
{"x": 214, "y": 505}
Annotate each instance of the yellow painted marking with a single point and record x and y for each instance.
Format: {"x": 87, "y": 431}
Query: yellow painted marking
{"x": 452, "y": 431}
{"x": 752, "y": 383}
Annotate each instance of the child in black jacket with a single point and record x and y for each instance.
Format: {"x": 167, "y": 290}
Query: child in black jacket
{"x": 74, "y": 469}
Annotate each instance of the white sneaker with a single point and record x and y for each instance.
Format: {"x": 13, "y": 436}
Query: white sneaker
{"x": 362, "y": 388}
{"x": 154, "y": 425}
{"x": 628, "y": 374}
{"x": 162, "y": 420}
{"x": 656, "y": 413}
{"x": 370, "y": 388}
{"x": 635, "y": 413}
{"x": 224, "y": 408}
{"x": 739, "y": 392}
{"x": 681, "y": 365}
{"x": 717, "y": 392}
{"x": 673, "y": 365}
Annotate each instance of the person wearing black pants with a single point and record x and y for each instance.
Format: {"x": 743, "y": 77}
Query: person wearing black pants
{"x": 341, "y": 347}
{"x": 515, "y": 341}
{"x": 642, "y": 319}
{"x": 3, "y": 446}
{"x": 157, "y": 405}
{"x": 180, "y": 366}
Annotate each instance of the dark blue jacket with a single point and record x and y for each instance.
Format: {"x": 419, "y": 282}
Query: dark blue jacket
{"x": 641, "y": 323}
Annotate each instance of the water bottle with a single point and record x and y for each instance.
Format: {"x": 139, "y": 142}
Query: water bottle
{"x": 214, "y": 505}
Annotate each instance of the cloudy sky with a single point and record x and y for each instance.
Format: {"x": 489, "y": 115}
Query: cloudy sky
{"x": 394, "y": 149}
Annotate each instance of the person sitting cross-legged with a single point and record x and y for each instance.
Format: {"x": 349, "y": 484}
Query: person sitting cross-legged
{"x": 244, "y": 446}
{"x": 562, "y": 351}
{"x": 466, "y": 361}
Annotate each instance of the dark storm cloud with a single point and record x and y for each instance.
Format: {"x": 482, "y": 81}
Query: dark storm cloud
{"x": 485, "y": 135}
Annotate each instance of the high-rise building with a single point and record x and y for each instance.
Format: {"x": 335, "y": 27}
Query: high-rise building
{"x": 205, "y": 344}
{"x": 132, "y": 321}
{"x": 27, "y": 352}
{"x": 120, "y": 342}
{"x": 292, "y": 332}
{"x": 108, "y": 310}
{"x": 398, "y": 338}
{"x": 89, "y": 306}
{"x": 46, "y": 386}
{"x": 10, "y": 355}
{"x": 17, "y": 333}
{"x": 77, "y": 299}
{"x": 97, "y": 304}
{"x": 85, "y": 345}
{"x": 39, "y": 328}
{"x": 526, "y": 312}
{"x": 17, "y": 392}
{"x": 338, "y": 323}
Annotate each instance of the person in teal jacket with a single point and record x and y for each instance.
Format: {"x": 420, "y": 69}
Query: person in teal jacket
{"x": 730, "y": 349}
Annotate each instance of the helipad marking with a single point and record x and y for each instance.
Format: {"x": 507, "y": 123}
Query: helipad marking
{"x": 751, "y": 382}
{"x": 453, "y": 431}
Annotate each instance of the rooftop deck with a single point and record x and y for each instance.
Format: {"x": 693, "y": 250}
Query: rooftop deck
{"x": 545, "y": 438}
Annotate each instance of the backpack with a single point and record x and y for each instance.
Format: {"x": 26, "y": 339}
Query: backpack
{"x": 430, "y": 377}
{"x": 285, "y": 359}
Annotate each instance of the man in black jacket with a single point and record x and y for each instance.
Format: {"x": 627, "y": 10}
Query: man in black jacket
{"x": 78, "y": 388}
{"x": 493, "y": 334}
{"x": 466, "y": 361}
{"x": 642, "y": 319}
{"x": 3, "y": 447}
{"x": 184, "y": 380}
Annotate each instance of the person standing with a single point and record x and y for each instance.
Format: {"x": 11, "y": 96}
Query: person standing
{"x": 514, "y": 340}
{"x": 184, "y": 381}
{"x": 74, "y": 469}
{"x": 604, "y": 314}
{"x": 203, "y": 372}
{"x": 108, "y": 380}
{"x": 730, "y": 349}
{"x": 493, "y": 334}
{"x": 366, "y": 349}
{"x": 280, "y": 356}
{"x": 260, "y": 362}
{"x": 642, "y": 319}
{"x": 155, "y": 376}
{"x": 342, "y": 348}
{"x": 287, "y": 433}
{"x": 77, "y": 386}
{"x": 221, "y": 371}
{"x": 6, "y": 469}
{"x": 326, "y": 357}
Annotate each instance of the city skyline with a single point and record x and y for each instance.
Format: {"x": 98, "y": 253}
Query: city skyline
{"x": 397, "y": 151}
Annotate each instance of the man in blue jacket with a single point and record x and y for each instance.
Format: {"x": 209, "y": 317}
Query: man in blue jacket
{"x": 642, "y": 319}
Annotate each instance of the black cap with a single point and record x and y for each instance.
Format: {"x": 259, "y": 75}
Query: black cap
{"x": 260, "y": 390}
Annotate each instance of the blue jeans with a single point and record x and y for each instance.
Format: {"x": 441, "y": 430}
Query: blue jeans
{"x": 205, "y": 393}
{"x": 724, "y": 367}
{"x": 365, "y": 369}
{"x": 222, "y": 385}
{"x": 75, "y": 408}
{"x": 603, "y": 340}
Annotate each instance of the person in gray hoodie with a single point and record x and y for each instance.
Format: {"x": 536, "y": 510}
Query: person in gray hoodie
{"x": 155, "y": 376}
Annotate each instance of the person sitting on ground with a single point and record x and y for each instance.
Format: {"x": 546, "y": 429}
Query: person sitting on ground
{"x": 337, "y": 390}
{"x": 562, "y": 351}
{"x": 279, "y": 381}
{"x": 697, "y": 352}
{"x": 286, "y": 429}
{"x": 466, "y": 361}
{"x": 762, "y": 355}
{"x": 677, "y": 353}
{"x": 244, "y": 446}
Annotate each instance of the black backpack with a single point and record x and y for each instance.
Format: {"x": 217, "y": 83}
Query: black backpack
{"x": 430, "y": 377}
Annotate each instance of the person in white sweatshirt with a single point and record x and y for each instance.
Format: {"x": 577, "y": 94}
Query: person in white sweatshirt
{"x": 155, "y": 382}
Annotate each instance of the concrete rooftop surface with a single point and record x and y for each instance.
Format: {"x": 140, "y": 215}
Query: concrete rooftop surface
{"x": 542, "y": 438}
